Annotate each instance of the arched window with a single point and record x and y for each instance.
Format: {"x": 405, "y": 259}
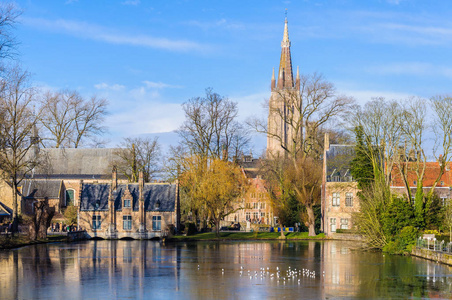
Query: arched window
{"x": 69, "y": 197}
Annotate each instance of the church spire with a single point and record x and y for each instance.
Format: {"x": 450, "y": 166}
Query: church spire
{"x": 285, "y": 63}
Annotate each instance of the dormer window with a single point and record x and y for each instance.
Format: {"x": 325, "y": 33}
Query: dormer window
{"x": 127, "y": 203}
{"x": 157, "y": 204}
{"x": 97, "y": 204}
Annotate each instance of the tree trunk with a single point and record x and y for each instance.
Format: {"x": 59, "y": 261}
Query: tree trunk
{"x": 217, "y": 227}
{"x": 15, "y": 225}
{"x": 311, "y": 220}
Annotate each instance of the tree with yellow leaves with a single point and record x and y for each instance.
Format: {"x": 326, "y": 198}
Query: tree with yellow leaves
{"x": 214, "y": 187}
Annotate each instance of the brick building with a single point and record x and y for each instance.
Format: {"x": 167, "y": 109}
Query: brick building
{"x": 339, "y": 201}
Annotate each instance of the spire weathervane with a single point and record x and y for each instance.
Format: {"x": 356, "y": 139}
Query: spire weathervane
{"x": 286, "y": 13}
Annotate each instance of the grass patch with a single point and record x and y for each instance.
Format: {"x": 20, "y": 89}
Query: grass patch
{"x": 23, "y": 240}
{"x": 246, "y": 236}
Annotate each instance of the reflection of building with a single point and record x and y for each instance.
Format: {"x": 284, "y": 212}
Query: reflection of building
{"x": 339, "y": 200}
{"x": 138, "y": 210}
{"x": 255, "y": 206}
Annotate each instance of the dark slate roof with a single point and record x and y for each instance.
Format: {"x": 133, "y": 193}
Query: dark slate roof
{"x": 95, "y": 196}
{"x": 77, "y": 161}
{"x": 338, "y": 159}
{"x": 119, "y": 192}
{"x": 41, "y": 188}
{"x": 165, "y": 194}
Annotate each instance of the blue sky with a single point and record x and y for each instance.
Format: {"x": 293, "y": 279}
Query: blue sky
{"x": 148, "y": 57}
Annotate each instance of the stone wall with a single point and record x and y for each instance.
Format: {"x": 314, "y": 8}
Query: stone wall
{"x": 433, "y": 255}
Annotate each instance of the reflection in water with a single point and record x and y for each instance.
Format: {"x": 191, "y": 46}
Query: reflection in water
{"x": 206, "y": 270}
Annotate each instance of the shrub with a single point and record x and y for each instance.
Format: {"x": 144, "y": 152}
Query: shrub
{"x": 190, "y": 228}
{"x": 403, "y": 241}
{"x": 398, "y": 214}
{"x": 71, "y": 214}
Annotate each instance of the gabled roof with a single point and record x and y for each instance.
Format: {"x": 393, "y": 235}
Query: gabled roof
{"x": 95, "y": 196}
{"x": 41, "y": 188}
{"x": 77, "y": 161}
{"x": 338, "y": 160}
{"x": 164, "y": 194}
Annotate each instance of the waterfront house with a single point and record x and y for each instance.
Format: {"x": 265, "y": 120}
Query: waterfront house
{"x": 132, "y": 210}
{"x": 339, "y": 190}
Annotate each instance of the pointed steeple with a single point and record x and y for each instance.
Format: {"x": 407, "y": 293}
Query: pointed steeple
{"x": 285, "y": 63}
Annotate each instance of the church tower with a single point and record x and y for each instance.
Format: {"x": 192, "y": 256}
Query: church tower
{"x": 280, "y": 133}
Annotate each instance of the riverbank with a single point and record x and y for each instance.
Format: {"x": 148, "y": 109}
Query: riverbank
{"x": 22, "y": 240}
{"x": 436, "y": 256}
{"x": 211, "y": 236}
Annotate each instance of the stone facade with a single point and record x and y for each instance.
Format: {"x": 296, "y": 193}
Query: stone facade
{"x": 137, "y": 210}
{"x": 255, "y": 206}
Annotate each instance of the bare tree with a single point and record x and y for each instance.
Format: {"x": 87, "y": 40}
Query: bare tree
{"x": 210, "y": 128}
{"x": 382, "y": 134}
{"x": 139, "y": 155}
{"x": 302, "y": 114}
{"x": 59, "y": 116}
{"x": 413, "y": 126}
{"x": 8, "y": 16}
{"x": 16, "y": 130}
{"x": 69, "y": 119}
{"x": 442, "y": 126}
{"x": 89, "y": 117}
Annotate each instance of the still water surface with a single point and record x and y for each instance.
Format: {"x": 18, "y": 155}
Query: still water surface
{"x": 211, "y": 270}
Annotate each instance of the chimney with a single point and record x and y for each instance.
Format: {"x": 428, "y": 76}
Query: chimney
{"x": 114, "y": 178}
{"x": 140, "y": 179}
{"x": 140, "y": 186}
{"x": 327, "y": 142}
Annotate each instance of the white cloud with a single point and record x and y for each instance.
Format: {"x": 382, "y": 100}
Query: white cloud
{"x": 160, "y": 85}
{"x": 395, "y": 2}
{"x": 131, "y": 2}
{"x": 106, "y": 86}
{"x": 251, "y": 105}
{"x": 412, "y": 68}
{"x": 99, "y": 33}
{"x": 364, "y": 96}
{"x": 222, "y": 23}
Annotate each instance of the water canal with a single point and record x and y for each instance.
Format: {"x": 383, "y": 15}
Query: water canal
{"x": 212, "y": 270}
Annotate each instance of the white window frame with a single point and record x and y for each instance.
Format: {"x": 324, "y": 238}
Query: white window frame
{"x": 336, "y": 199}
{"x": 349, "y": 199}
{"x": 333, "y": 224}
{"x": 127, "y": 223}
{"x": 156, "y": 223}
{"x": 344, "y": 223}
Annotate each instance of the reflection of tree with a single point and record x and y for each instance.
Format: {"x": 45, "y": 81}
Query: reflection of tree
{"x": 41, "y": 266}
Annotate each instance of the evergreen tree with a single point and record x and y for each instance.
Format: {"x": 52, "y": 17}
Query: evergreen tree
{"x": 361, "y": 165}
